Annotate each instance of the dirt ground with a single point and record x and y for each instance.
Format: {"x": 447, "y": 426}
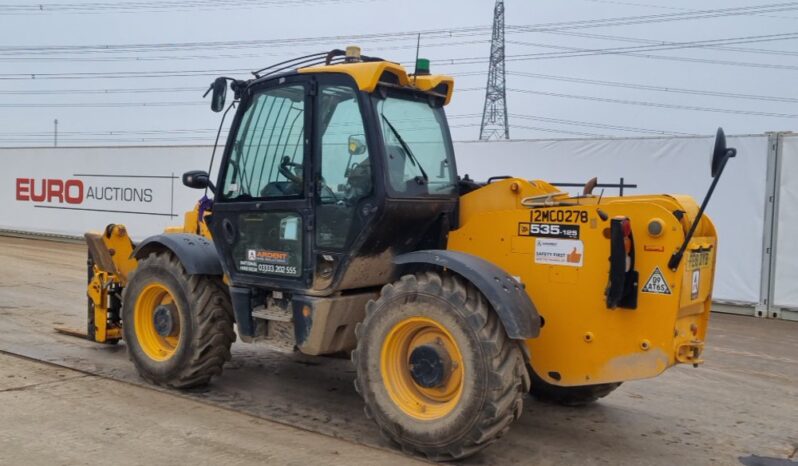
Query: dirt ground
{"x": 54, "y": 416}
{"x": 740, "y": 407}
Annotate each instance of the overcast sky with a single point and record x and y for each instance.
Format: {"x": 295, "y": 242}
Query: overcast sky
{"x": 751, "y": 76}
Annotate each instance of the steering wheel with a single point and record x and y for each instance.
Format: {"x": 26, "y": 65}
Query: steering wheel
{"x": 358, "y": 181}
{"x": 291, "y": 170}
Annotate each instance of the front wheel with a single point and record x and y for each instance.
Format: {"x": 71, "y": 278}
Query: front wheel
{"x": 178, "y": 327}
{"x": 436, "y": 369}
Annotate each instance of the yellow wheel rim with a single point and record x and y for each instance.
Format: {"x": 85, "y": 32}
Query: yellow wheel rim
{"x": 155, "y": 345}
{"x": 406, "y": 340}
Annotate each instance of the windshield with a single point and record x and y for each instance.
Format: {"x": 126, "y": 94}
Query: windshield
{"x": 417, "y": 146}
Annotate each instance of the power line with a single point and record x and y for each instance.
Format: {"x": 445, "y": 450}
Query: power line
{"x": 143, "y": 90}
{"x": 120, "y": 74}
{"x": 576, "y": 52}
{"x": 674, "y": 58}
{"x": 151, "y": 74}
{"x": 656, "y": 104}
{"x": 147, "y": 90}
{"x": 673, "y": 8}
{"x": 662, "y": 42}
{"x": 625, "y": 85}
{"x": 466, "y": 60}
{"x": 392, "y": 36}
{"x": 563, "y": 131}
{"x": 238, "y": 44}
{"x": 569, "y": 52}
{"x": 588, "y": 124}
{"x": 140, "y": 7}
{"x": 667, "y": 46}
{"x": 109, "y": 132}
{"x": 259, "y": 54}
{"x": 664, "y": 17}
{"x": 101, "y": 104}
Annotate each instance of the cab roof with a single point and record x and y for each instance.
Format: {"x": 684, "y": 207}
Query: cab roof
{"x": 369, "y": 74}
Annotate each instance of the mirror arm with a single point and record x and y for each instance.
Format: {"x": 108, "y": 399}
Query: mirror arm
{"x": 676, "y": 258}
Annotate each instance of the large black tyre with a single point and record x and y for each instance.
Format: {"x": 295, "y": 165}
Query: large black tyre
{"x": 200, "y": 314}
{"x": 493, "y": 381}
{"x": 569, "y": 396}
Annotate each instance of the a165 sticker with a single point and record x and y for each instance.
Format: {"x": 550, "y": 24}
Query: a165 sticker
{"x": 656, "y": 283}
{"x": 548, "y": 230}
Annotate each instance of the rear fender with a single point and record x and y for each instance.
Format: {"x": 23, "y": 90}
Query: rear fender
{"x": 196, "y": 253}
{"x": 506, "y": 295}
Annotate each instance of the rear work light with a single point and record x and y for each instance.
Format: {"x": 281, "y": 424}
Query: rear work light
{"x": 622, "y": 286}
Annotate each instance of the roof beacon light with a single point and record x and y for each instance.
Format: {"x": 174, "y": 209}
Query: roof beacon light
{"x": 352, "y": 54}
{"x": 422, "y": 67}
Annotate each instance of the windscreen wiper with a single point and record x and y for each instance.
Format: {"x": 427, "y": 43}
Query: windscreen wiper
{"x": 407, "y": 150}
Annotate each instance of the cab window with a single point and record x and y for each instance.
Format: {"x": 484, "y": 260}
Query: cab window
{"x": 417, "y": 146}
{"x": 345, "y": 167}
{"x": 266, "y": 160}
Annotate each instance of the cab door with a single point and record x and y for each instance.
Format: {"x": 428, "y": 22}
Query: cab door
{"x": 262, "y": 211}
{"x": 344, "y": 194}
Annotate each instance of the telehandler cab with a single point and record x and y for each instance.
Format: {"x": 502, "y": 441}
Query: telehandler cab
{"x": 339, "y": 225}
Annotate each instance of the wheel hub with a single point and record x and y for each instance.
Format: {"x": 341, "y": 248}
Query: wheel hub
{"x": 164, "y": 319}
{"x": 430, "y": 366}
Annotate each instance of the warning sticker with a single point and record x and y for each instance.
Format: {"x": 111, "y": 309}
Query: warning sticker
{"x": 695, "y": 284}
{"x": 656, "y": 283}
{"x": 559, "y": 252}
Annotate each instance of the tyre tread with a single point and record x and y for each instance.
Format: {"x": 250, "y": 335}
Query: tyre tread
{"x": 209, "y": 300}
{"x": 507, "y": 372}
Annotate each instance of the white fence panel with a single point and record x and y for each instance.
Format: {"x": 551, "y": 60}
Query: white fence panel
{"x": 71, "y": 190}
{"x": 656, "y": 165}
{"x": 68, "y": 191}
{"x": 785, "y": 293}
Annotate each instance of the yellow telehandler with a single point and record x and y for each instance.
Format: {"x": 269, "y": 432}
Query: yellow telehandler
{"x": 338, "y": 224}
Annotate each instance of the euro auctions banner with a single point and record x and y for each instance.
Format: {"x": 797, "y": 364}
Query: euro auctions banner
{"x": 68, "y": 191}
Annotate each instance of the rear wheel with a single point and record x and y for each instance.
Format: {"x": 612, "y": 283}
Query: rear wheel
{"x": 435, "y": 368}
{"x": 569, "y": 396}
{"x": 178, "y": 327}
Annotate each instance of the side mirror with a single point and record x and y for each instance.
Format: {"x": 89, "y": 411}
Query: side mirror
{"x": 721, "y": 154}
{"x": 198, "y": 179}
{"x": 357, "y": 145}
{"x": 219, "y": 88}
